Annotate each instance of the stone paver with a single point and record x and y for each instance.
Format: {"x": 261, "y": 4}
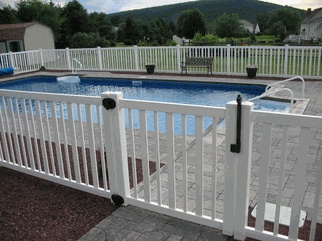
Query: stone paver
{"x": 120, "y": 225}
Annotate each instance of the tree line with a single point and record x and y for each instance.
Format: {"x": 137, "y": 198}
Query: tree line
{"x": 74, "y": 27}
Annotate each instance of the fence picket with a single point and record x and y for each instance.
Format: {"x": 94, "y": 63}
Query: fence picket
{"x": 91, "y": 141}
{"x": 157, "y": 155}
{"x": 16, "y": 146}
{"x": 280, "y": 180}
{"x": 214, "y": 168}
{"x": 265, "y": 151}
{"x": 41, "y": 136}
{"x": 170, "y": 160}
{"x": 71, "y": 127}
{"x": 64, "y": 139}
{"x": 184, "y": 162}
{"x": 56, "y": 138}
{"x": 145, "y": 156}
{"x": 199, "y": 165}
{"x": 132, "y": 140}
{"x": 299, "y": 181}
{"x": 82, "y": 142}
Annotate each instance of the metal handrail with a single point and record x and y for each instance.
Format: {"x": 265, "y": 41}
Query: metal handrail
{"x": 273, "y": 92}
{"x": 293, "y": 78}
{"x": 80, "y": 64}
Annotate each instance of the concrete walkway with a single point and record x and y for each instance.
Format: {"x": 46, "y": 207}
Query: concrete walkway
{"x": 132, "y": 223}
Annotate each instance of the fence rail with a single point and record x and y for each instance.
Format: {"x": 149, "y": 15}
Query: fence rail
{"x": 272, "y": 61}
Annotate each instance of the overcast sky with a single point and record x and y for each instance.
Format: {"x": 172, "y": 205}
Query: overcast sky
{"x": 113, "y": 6}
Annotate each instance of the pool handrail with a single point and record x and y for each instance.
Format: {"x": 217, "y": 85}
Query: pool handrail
{"x": 293, "y": 78}
{"x": 273, "y": 92}
{"x": 74, "y": 71}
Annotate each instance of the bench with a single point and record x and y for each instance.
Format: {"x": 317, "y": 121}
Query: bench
{"x": 197, "y": 62}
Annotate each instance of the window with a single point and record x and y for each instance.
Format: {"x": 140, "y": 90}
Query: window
{"x": 14, "y": 46}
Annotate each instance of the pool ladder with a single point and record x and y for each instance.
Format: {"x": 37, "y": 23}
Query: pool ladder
{"x": 282, "y": 89}
{"x": 74, "y": 70}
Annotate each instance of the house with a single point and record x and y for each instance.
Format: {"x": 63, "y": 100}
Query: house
{"x": 178, "y": 40}
{"x": 25, "y": 36}
{"x": 252, "y": 28}
{"x": 311, "y": 26}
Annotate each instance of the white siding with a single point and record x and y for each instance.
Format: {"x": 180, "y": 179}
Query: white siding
{"x": 39, "y": 37}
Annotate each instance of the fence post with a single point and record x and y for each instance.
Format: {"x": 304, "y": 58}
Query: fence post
{"x": 228, "y": 59}
{"x": 41, "y": 58}
{"x": 69, "y": 65}
{"x": 230, "y": 169}
{"x": 243, "y": 172}
{"x": 136, "y": 57}
{"x": 99, "y": 54}
{"x": 178, "y": 58}
{"x": 115, "y": 144}
{"x": 12, "y": 60}
{"x": 237, "y": 171}
{"x": 286, "y": 60}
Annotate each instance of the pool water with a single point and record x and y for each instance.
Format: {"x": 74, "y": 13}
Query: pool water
{"x": 196, "y": 93}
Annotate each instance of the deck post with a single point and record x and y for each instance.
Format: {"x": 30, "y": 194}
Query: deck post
{"x": 136, "y": 57}
{"x": 228, "y": 59}
{"x": 99, "y": 55}
{"x": 69, "y": 63}
{"x": 115, "y": 144}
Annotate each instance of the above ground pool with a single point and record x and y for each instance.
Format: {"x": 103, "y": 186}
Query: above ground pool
{"x": 196, "y": 93}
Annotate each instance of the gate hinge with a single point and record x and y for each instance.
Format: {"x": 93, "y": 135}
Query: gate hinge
{"x": 109, "y": 103}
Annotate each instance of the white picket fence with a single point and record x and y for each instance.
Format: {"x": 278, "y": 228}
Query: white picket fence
{"x": 71, "y": 140}
{"x": 272, "y": 61}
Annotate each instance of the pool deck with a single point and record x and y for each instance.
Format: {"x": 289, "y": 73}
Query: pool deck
{"x": 132, "y": 223}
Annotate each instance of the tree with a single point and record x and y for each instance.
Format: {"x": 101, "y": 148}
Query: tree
{"x": 278, "y": 29}
{"x": 87, "y": 40}
{"x": 263, "y": 20}
{"x": 98, "y": 23}
{"x": 228, "y": 26}
{"x": 190, "y": 22}
{"x": 131, "y": 32}
{"x": 75, "y": 20}
{"x": 289, "y": 17}
{"x": 8, "y": 15}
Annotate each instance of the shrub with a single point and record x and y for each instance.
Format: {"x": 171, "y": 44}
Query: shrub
{"x": 128, "y": 42}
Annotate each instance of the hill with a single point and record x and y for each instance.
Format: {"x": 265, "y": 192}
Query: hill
{"x": 247, "y": 9}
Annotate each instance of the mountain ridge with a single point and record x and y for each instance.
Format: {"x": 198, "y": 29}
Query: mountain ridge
{"x": 247, "y": 9}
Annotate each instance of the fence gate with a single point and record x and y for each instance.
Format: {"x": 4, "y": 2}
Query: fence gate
{"x": 184, "y": 167}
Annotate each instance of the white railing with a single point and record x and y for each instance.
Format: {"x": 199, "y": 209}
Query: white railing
{"x": 288, "y": 80}
{"x": 59, "y": 138}
{"x": 74, "y": 70}
{"x": 274, "y": 92}
{"x": 272, "y": 61}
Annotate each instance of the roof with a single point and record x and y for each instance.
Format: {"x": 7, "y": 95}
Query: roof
{"x": 245, "y": 22}
{"x": 14, "y": 31}
{"x": 308, "y": 18}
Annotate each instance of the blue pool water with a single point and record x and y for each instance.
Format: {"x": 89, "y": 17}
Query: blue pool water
{"x": 210, "y": 94}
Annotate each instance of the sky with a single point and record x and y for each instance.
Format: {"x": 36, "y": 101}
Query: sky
{"x": 113, "y": 6}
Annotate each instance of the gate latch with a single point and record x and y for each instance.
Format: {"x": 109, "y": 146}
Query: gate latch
{"x": 236, "y": 147}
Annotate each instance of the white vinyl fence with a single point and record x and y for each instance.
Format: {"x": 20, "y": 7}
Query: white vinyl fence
{"x": 272, "y": 61}
{"x": 188, "y": 170}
